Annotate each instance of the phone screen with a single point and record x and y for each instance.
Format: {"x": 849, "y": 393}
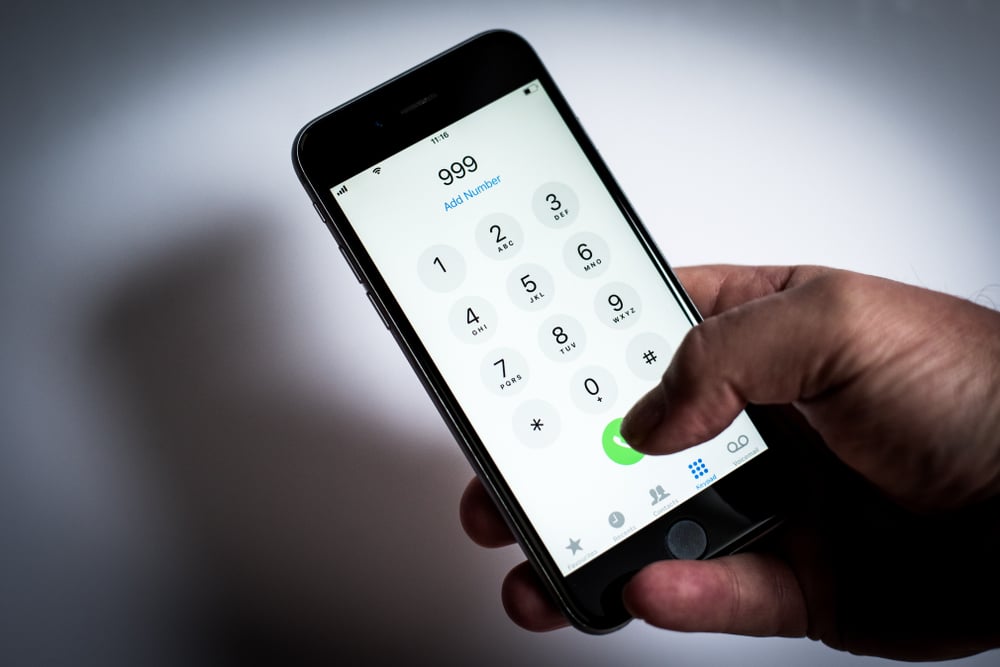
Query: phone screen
{"x": 544, "y": 313}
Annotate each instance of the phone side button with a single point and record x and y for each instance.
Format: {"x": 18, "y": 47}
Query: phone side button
{"x": 378, "y": 309}
{"x": 319, "y": 212}
{"x": 686, "y": 540}
{"x": 350, "y": 263}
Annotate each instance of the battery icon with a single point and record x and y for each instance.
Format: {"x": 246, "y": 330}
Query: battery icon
{"x": 533, "y": 88}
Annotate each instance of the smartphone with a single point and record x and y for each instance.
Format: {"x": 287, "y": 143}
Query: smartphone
{"x": 502, "y": 256}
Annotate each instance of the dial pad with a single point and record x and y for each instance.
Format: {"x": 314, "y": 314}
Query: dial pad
{"x": 560, "y": 341}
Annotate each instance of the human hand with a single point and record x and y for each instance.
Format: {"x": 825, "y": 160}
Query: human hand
{"x": 903, "y": 384}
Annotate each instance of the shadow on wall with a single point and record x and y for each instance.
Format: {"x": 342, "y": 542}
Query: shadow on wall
{"x": 317, "y": 533}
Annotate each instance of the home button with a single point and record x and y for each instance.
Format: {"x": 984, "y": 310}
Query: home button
{"x": 686, "y": 540}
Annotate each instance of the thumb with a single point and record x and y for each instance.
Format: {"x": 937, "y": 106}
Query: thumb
{"x": 782, "y": 348}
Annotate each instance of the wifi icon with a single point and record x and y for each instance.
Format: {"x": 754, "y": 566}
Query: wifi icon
{"x": 377, "y": 170}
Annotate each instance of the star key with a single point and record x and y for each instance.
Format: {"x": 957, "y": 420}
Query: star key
{"x": 536, "y": 424}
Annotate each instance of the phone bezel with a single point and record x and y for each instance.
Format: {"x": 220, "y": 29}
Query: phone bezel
{"x": 415, "y": 105}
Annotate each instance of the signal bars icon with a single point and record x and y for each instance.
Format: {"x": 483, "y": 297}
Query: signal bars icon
{"x": 342, "y": 190}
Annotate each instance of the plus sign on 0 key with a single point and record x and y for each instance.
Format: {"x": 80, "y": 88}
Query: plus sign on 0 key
{"x": 593, "y": 389}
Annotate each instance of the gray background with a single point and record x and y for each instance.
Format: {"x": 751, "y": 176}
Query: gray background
{"x": 212, "y": 450}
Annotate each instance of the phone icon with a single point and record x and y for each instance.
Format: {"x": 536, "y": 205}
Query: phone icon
{"x": 615, "y": 446}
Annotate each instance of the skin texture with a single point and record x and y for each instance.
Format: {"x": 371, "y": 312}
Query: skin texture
{"x": 893, "y": 549}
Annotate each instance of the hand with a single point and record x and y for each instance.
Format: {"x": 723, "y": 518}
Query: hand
{"x": 896, "y": 550}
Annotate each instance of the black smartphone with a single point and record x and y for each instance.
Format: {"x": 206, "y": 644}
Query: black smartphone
{"x": 499, "y": 251}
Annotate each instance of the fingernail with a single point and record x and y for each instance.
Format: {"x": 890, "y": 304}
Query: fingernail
{"x": 643, "y": 417}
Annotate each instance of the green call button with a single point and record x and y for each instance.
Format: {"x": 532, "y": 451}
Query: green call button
{"x": 615, "y": 446}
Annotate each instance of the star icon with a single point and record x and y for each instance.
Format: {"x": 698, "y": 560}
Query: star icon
{"x": 574, "y": 546}
{"x": 536, "y": 424}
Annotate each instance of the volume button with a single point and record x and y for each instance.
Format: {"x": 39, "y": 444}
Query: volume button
{"x": 350, "y": 263}
{"x": 319, "y": 212}
{"x": 378, "y": 309}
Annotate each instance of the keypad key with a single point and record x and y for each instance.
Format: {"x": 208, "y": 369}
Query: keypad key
{"x": 593, "y": 389}
{"x": 441, "y": 268}
{"x": 562, "y": 338}
{"x": 473, "y": 319}
{"x": 531, "y": 287}
{"x": 555, "y": 205}
{"x": 536, "y": 423}
{"x": 617, "y": 305}
{"x": 648, "y": 355}
{"x": 504, "y": 371}
{"x": 587, "y": 255}
{"x": 499, "y": 236}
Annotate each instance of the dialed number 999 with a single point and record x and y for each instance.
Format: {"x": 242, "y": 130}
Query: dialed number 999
{"x": 458, "y": 170}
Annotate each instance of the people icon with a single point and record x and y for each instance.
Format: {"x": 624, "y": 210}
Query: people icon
{"x": 658, "y": 494}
